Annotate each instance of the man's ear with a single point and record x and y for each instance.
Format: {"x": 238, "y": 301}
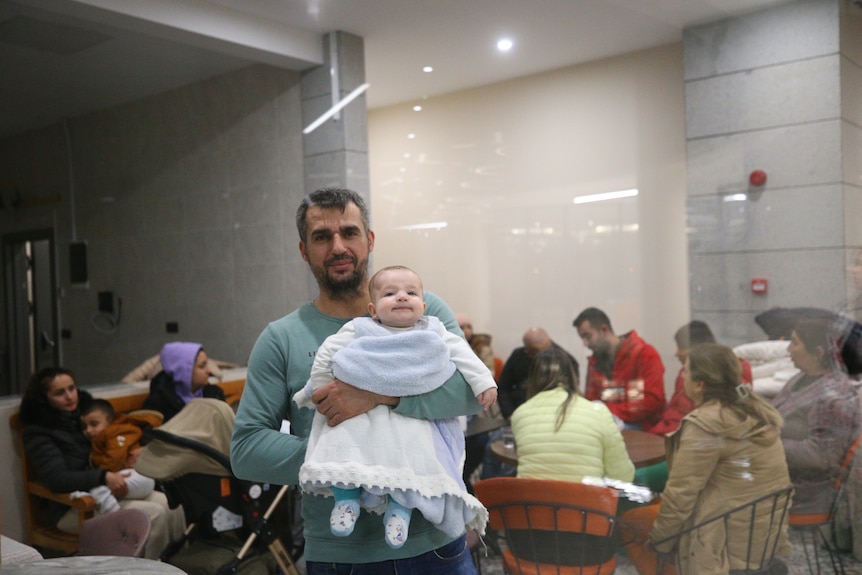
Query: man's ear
{"x": 302, "y": 251}
{"x": 370, "y": 241}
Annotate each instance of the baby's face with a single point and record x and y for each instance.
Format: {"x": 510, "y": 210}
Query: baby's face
{"x": 397, "y": 298}
{"x": 93, "y": 423}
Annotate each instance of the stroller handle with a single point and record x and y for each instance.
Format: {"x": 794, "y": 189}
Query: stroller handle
{"x": 207, "y": 450}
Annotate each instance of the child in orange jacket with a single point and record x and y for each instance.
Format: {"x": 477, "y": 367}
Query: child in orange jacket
{"x": 116, "y": 444}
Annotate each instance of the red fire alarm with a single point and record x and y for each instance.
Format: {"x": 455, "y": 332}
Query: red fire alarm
{"x": 757, "y": 178}
{"x": 759, "y": 285}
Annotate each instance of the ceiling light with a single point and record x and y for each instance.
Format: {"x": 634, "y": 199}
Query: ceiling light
{"x": 427, "y": 69}
{"x": 417, "y": 108}
{"x": 605, "y": 196}
{"x": 335, "y": 109}
{"x": 504, "y": 45}
{"x": 735, "y": 198}
{"x": 428, "y": 226}
{"x": 411, "y": 136}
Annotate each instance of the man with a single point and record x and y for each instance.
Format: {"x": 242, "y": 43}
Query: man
{"x": 513, "y": 379}
{"x": 624, "y": 371}
{"x": 466, "y": 325}
{"x": 336, "y": 242}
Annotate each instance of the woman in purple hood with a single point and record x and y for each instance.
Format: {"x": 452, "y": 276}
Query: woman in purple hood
{"x": 184, "y": 376}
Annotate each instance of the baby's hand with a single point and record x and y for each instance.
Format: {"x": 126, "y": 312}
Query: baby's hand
{"x": 488, "y": 398}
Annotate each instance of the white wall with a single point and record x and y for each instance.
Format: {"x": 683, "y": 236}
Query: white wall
{"x": 501, "y": 164}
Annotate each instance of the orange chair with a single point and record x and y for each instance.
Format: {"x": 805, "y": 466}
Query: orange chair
{"x": 552, "y": 527}
{"x": 41, "y": 532}
{"x": 812, "y": 526}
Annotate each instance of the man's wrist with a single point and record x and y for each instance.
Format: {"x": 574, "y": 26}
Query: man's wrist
{"x": 389, "y": 400}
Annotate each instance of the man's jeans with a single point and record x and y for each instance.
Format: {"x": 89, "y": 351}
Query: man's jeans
{"x": 451, "y": 559}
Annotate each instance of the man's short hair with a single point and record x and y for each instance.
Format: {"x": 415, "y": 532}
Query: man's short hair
{"x": 693, "y": 333}
{"x": 102, "y": 405}
{"x": 327, "y": 198}
{"x": 595, "y": 316}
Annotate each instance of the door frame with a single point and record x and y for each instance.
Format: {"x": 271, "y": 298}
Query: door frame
{"x": 15, "y": 379}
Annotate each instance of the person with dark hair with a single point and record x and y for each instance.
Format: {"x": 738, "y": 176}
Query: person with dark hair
{"x": 561, "y": 435}
{"x": 686, "y": 337}
{"x": 184, "y": 376}
{"x": 115, "y": 441}
{"x": 516, "y": 370}
{"x": 384, "y": 461}
{"x": 59, "y": 454}
{"x": 821, "y": 413}
{"x": 727, "y": 452}
{"x": 336, "y": 241}
{"x": 623, "y": 371}
{"x": 513, "y": 391}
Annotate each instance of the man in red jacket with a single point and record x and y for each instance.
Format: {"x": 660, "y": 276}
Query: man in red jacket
{"x": 624, "y": 371}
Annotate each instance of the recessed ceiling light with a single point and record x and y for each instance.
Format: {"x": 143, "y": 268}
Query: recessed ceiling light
{"x": 427, "y": 69}
{"x": 417, "y": 108}
{"x": 504, "y": 45}
{"x": 589, "y": 198}
{"x": 411, "y": 136}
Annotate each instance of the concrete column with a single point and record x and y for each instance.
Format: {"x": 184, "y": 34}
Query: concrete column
{"x": 336, "y": 153}
{"x": 780, "y": 91}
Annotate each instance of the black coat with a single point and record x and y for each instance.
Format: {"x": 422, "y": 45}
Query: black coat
{"x": 165, "y": 399}
{"x": 513, "y": 379}
{"x": 57, "y": 449}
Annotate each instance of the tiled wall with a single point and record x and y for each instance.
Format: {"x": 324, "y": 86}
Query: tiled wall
{"x": 771, "y": 91}
{"x": 187, "y": 201}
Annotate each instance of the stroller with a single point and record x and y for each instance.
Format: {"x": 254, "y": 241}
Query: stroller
{"x": 188, "y": 457}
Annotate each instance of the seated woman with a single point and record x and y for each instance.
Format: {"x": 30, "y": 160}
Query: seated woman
{"x": 59, "y": 453}
{"x": 821, "y": 416}
{"x": 561, "y": 435}
{"x": 729, "y": 425}
{"x": 689, "y": 335}
{"x": 184, "y": 376}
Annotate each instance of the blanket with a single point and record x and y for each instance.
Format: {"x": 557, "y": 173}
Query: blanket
{"x": 416, "y": 462}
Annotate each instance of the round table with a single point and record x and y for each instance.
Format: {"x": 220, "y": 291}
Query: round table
{"x": 478, "y": 425}
{"x": 644, "y": 449}
{"x": 92, "y": 565}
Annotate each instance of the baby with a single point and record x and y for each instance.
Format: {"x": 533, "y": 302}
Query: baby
{"x": 116, "y": 444}
{"x": 397, "y": 352}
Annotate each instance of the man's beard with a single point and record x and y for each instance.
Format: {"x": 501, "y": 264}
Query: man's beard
{"x": 604, "y": 361}
{"x": 343, "y": 287}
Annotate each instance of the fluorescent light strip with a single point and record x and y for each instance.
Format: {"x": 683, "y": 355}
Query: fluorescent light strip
{"x": 428, "y": 226}
{"x": 735, "y": 198}
{"x": 336, "y": 108}
{"x": 605, "y": 196}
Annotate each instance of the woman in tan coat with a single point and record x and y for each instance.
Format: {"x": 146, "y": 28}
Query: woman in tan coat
{"x": 726, "y": 453}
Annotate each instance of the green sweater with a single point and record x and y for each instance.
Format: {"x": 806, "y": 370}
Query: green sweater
{"x": 279, "y": 366}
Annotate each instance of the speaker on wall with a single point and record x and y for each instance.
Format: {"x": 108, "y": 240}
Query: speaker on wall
{"x": 78, "y": 263}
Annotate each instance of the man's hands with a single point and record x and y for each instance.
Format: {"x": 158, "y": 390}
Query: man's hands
{"x": 340, "y": 401}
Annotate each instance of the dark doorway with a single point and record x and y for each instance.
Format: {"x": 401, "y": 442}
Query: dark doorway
{"x": 31, "y": 308}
